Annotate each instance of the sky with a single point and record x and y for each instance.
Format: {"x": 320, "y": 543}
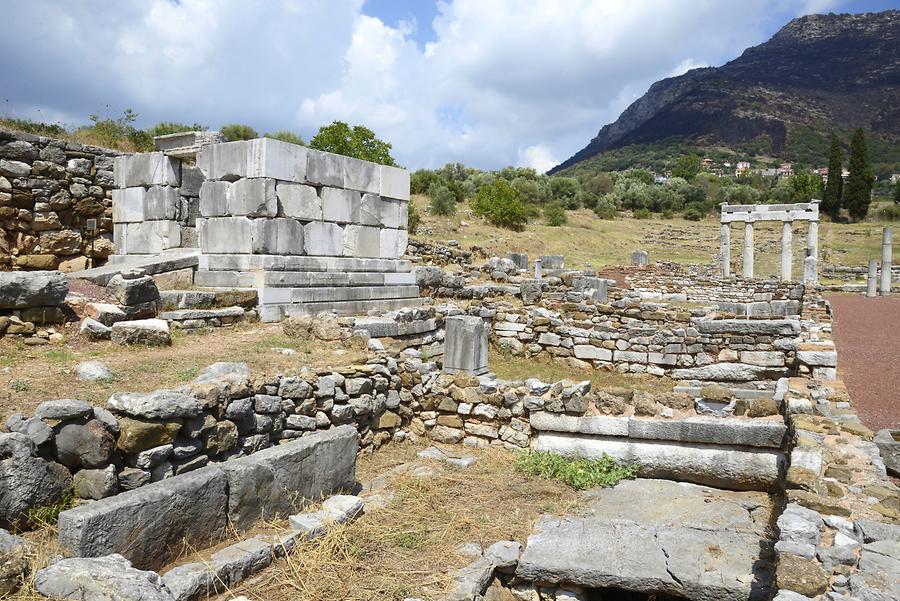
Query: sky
{"x": 489, "y": 83}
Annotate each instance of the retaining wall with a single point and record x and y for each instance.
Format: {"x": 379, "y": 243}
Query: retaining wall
{"x": 48, "y": 189}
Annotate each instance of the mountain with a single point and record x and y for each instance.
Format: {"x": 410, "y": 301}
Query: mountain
{"x": 817, "y": 74}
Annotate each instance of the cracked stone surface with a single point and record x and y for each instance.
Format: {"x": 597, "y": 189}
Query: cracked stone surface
{"x": 701, "y": 543}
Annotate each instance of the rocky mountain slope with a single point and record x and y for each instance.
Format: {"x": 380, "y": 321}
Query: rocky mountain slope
{"x": 818, "y": 72}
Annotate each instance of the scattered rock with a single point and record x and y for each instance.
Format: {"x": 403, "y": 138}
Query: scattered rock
{"x": 149, "y": 332}
{"x": 24, "y": 289}
{"x": 96, "y": 484}
{"x": 92, "y": 371}
{"x": 28, "y": 481}
{"x": 94, "y": 330}
{"x": 109, "y": 578}
{"x": 89, "y": 445}
{"x": 804, "y": 576}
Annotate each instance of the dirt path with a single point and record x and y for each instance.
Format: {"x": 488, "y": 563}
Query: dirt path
{"x": 867, "y": 334}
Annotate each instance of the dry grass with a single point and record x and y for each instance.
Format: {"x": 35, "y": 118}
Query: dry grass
{"x": 409, "y": 548}
{"x": 31, "y": 375}
{"x": 589, "y": 239}
{"x": 44, "y": 546}
{"x": 548, "y": 370}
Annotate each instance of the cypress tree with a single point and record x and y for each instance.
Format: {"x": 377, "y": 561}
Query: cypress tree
{"x": 858, "y": 192}
{"x": 831, "y": 202}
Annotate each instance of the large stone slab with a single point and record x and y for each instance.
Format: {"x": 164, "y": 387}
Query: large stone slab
{"x": 700, "y": 544}
{"x": 263, "y": 157}
{"x": 277, "y": 236}
{"x": 466, "y": 344}
{"x": 299, "y": 201}
{"x": 252, "y": 198}
{"x": 278, "y": 480}
{"x": 768, "y": 327}
{"x": 225, "y": 235}
{"x": 23, "y": 289}
{"x": 729, "y": 372}
{"x": 146, "y": 169}
{"x": 713, "y": 465}
{"x": 394, "y": 182}
{"x": 110, "y": 578}
{"x": 323, "y": 239}
{"x": 148, "y": 525}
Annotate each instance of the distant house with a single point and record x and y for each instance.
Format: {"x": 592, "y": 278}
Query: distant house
{"x": 769, "y": 172}
{"x": 786, "y": 170}
{"x": 707, "y": 163}
{"x": 660, "y": 179}
{"x": 742, "y": 168}
{"x": 895, "y": 177}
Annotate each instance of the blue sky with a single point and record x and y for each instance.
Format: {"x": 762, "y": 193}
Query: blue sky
{"x": 486, "y": 82}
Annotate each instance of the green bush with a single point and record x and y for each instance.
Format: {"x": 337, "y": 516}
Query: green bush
{"x": 642, "y": 214}
{"x": 238, "y": 131}
{"x": 358, "y": 142}
{"x": 413, "y": 218}
{"x": 555, "y": 215}
{"x": 117, "y": 133}
{"x": 667, "y": 213}
{"x": 421, "y": 180}
{"x": 286, "y": 136}
{"x": 580, "y": 474}
{"x": 694, "y": 212}
{"x": 37, "y": 128}
{"x": 605, "y": 208}
{"x": 441, "y": 200}
{"x": 498, "y": 202}
{"x": 889, "y": 213}
{"x": 164, "y": 128}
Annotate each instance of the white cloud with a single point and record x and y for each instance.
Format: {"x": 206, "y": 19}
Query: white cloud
{"x": 502, "y": 82}
{"x": 537, "y": 157}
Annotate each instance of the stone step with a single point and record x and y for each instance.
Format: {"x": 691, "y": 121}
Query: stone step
{"x": 152, "y": 265}
{"x": 228, "y": 313}
{"x": 277, "y": 312}
{"x": 234, "y": 262}
{"x": 382, "y": 327}
{"x": 298, "y": 279}
{"x": 269, "y": 296}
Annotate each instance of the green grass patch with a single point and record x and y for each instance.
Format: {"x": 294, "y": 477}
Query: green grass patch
{"x": 60, "y": 355}
{"x": 580, "y": 474}
{"x": 186, "y": 375}
{"x": 47, "y": 515}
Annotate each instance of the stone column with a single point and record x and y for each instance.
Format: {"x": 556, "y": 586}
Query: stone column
{"x": 811, "y": 270}
{"x": 787, "y": 250}
{"x": 466, "y": 344}
{"x": 725, "y": 249}
{"x": 538, "y": 271}
{"x": 812, "y": 239}
{"x": 872, "y": 279}
{"x": 886, "y": 259}
{"x": 748, "y": 250}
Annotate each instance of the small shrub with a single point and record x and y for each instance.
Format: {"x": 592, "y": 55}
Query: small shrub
{"x": 498, "y": 202}
{"x": 238, "y": 131}
{"x": 605, "y": 210}
{"x": 286, "y": 136}
{"x": 186, "y": 375}
{"x": 889, "y": 213}
{"x": 38, "y": 128}
{"x": 164, "y": 128}
{"x": 441, "y": 200}
{"x": 667, "y": 213}
{"x": 117, "y": 133}
{"x": 555, "y": 215}
{"x": 642, "y": 214}
{"x": 18, "y": 385}
{"x": 694, "y": 212}
{"x": 580, "y": 474}
{"x": 414, "y": 218}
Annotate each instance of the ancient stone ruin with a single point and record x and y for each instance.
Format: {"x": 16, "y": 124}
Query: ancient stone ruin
{"x": 756, "y": 479}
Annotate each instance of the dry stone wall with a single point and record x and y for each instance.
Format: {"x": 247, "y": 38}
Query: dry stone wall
{"x": 48, "y": 189}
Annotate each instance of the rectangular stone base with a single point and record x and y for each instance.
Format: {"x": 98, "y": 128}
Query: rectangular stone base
{"x": 277, "y": 312}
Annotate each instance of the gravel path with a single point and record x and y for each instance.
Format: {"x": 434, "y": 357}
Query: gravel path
{"x": 867, "y": 334}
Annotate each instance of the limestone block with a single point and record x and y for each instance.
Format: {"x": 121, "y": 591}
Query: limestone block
{"x": 592, "y": 353}
{"x": 323, "y": 239}
{"x": 362, "y": 175}
{"x": 299, "y": 201}
{"x": 324, "y": 168}
{"x": 394, "y": 183}
{"x": 128, "y": 205}
{"x": 765, "y": 327}
{"x": 277, "y": 236}
{"x": 391, "y": 215}
{"x": 111, "y": 577}
{"x": 160, "y": 202}
{"x": 818, "y": 358}
{"x": 393, "y": 243}
{"x": 149, "y": 237}
{"x": 146, "y": 525}
{"x": 361, "y": 241}
{"x": 146, "y": 169}
{"x": 21, "y": 289}
{"x": 342, "y": 206}
{"x": 466, "y": 344}
{"x": 225, "y": 235}
{"x": 404, "y": 215}
{"x": 370, "y": 210}
{"x": 214, "y": 198}
{"x": 253, "y": 198}
{"x": 763, "y": 358}
{"x": 263, "y": 157}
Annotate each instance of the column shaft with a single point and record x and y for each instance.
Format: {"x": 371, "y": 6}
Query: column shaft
{"x": 872, "y": 279}
{"x": 886, "y": 259}
{"x": 725, "y": 249}
{"x": 748, "y": 250}
{"x": 787, "y": 248}
{"x": 812, "y": 239}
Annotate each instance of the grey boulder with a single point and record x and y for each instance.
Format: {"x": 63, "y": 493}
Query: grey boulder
{"x": 24, "y": 289}
{"x": 27, "y": 480}
{"x": 63, "y": 409}
{"x": 162, "y": 404}
{"x": 84, "y": 445}
{"x": 109, "y": 578}
{"x": 92, "y": 371}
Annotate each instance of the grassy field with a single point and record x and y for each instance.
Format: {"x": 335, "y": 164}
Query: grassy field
{"x": 588, "y": 239}
{"x": 31, "y": 375}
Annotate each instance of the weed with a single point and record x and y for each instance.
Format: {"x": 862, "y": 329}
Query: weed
{"x": 60, "y": 355}
{"x": 47, "y": 515}
{"x": 18, "y": 385}
{"x": 580, "y": 474}
{"x": 186, "y": 375}
{"x": 410, "y": 539}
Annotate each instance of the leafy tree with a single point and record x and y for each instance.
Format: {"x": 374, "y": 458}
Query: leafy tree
{"x": 441, "y": 200}
{"x": 694, "y": 212}
{"x": 642, "y": 214}
{"x": 532, "y": 191}
{"x": 606, "y": 207}
{"x": 565, "y": 190}
{"x": 420, "y": 181}
{"x": 641, "y": 175}
{"x": 831, "y": 200}
{"x": 858, "y": 192}
{"x": 555, "y": 215}
{"x": 454, "y": 172}
{"x": 687, "y": 167}
{"x": 499, "y": 203}
{"x": 413, "y": 218}
{"x": 238, "y": 131}
{"x": 357, "y": 141}
{"x": 286, "y": 136}
{"x": 458, "y": 189}
{"x": 599, "y": 184}
{"x": 805, "y": 186}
